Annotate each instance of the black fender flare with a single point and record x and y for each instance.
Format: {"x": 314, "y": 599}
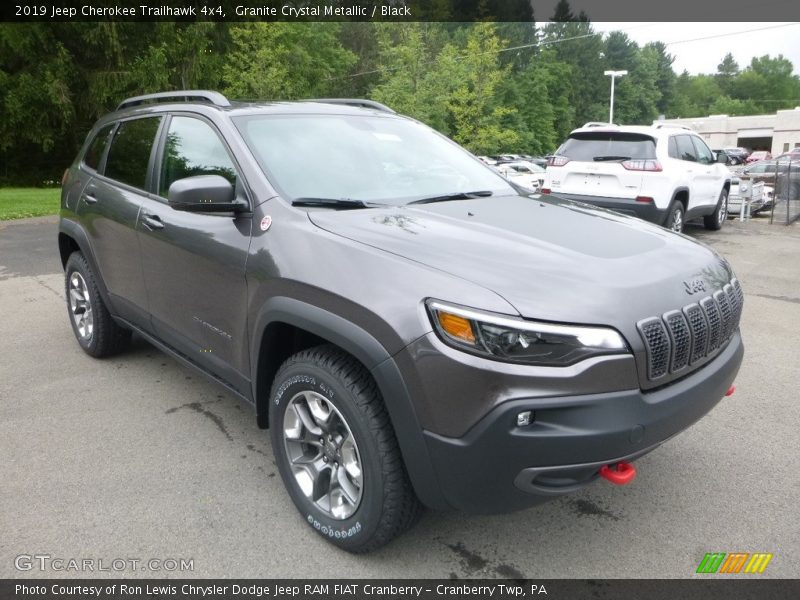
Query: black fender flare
{"x": 79, "y": 236}
{"x": 370, "y": 352}
{"x": 680, "y": 190}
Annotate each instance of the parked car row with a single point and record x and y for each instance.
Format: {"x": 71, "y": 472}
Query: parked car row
{"x": 782, "y": 174}
{"x": 524, "y": 173}
{"x": 758, "y": 156}
{"x": 499, "y": 159}
{"x": 736, "y": 156}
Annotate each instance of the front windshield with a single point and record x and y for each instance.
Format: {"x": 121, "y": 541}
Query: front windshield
{"x": 374, "y": 159}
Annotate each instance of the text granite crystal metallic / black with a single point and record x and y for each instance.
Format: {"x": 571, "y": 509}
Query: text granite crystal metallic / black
{"x": 411, "y": 328}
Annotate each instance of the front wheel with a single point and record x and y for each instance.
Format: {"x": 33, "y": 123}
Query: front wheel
{"x": 675, "y": 215}
{"x": 715, "y": 220}
{"x": 337, "y": 452}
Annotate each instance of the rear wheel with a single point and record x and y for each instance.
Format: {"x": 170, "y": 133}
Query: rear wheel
{"x": 715, "y": 220}
{"x": 94, "y": 327}
{"x": 337, "y": 453}
{"x": 675, "y": 215}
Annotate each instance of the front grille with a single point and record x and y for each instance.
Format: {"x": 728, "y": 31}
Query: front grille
{"x": 682, "y": 338}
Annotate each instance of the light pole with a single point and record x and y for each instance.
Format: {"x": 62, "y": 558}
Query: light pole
{"x": 614, "y": 75}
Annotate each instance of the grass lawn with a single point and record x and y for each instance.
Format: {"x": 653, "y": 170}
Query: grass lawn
{"x": 18, "y": 203}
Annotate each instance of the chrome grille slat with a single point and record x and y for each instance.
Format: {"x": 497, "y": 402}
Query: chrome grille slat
{"x": 682, "y": 338}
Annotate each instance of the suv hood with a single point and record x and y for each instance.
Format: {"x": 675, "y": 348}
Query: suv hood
{"x": 550, "y": 259}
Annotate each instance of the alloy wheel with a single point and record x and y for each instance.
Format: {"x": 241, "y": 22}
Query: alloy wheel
{"x": 80, "y": 305}
{"x": 677, "y": 220}
{"x": 323, "y": 454}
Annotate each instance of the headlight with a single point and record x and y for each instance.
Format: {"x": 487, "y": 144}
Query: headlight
{"x": 516, "y": 340}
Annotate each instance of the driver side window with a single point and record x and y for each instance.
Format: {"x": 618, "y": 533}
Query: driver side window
{"x": 193, "y": 148}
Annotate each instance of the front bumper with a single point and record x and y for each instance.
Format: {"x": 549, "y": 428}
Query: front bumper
{"x": 498, "y": 466}
{"x": 632, "y": 208}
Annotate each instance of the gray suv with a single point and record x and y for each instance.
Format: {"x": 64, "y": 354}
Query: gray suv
{"x": 413, "y": 329}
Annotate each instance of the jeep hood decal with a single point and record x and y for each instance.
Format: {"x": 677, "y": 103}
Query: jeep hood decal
{"x": 551, "y": 259}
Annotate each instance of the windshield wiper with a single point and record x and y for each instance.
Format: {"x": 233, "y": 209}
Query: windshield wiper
{"x": 330, "y": 202}
{"x": 454, "y": 196}
{"x": 604, "y": 158}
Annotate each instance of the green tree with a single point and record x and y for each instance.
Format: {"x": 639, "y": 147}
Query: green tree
{"x": 727, "y": 70}
{"x": 412, "y": 79}
{"x": 769, "y": 83}
{"x": 457, "y": 87}
{"x": 694, "y": 95}
{"x": 665, "y": 78}
{"x": 576, "y": 44}
{"x": 637, "y": 94}
{"x": 477, "y": 116}
{"x": 278, "y": 60}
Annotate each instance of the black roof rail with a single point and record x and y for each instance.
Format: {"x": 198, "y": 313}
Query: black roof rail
{"x": 214, "y": 98}
{"x": 358, "y": 102}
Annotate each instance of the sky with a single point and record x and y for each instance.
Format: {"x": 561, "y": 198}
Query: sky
{"x": 703, "y": 56}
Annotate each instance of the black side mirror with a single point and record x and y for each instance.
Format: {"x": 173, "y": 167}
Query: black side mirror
{"x": 722, "y": 157}
{"x": 204, "y": 193}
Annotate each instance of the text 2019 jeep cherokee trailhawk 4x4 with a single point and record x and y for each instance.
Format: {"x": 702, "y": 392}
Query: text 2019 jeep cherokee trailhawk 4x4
{"x": 413, "y": 330}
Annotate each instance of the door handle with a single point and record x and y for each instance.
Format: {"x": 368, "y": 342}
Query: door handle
{"x": 152, "y": 222}
{"x": 89, "y": 199}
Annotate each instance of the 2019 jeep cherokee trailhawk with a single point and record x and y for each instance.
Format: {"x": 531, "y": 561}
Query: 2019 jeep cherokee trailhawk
{"x": 411, "y": 328}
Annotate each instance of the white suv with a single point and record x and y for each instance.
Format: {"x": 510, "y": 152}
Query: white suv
{"x": 666, "y": 175}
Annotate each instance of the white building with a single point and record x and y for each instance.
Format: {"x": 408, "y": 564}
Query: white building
{"x": 777, "y": 133}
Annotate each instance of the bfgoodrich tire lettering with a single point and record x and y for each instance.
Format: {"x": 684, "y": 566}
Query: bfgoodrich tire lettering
{"x": 385, "y": 505}
{"x": 94, "y": 328}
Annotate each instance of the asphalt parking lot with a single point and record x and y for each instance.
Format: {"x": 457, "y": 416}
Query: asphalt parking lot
{"x": 137, "y": 458}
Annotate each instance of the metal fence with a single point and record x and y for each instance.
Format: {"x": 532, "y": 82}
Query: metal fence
{"x": 786, "y": 206}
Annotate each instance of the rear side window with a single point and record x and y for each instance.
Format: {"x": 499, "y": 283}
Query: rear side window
{"x": 673, "y": 148}
{"x": 686, "y": 149}
{"x": 704, "y": 154}
{"x": 95, "y": 150}
{"x": 193, "y": 148}
{"x": 608, "y": 145}
{"x": 129, "y": 155}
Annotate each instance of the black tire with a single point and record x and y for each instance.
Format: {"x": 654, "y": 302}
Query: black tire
{"x": 387, "y": 505}
{"x": 734, "y": 161}
{"x": 675, "y": 216}
{"x": 103, "y": 337}
{"x": 715, "y": 220}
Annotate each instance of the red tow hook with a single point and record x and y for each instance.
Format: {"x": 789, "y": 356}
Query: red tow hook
{"x": 730, "y": 390}
{"x": 622, "y": 474}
